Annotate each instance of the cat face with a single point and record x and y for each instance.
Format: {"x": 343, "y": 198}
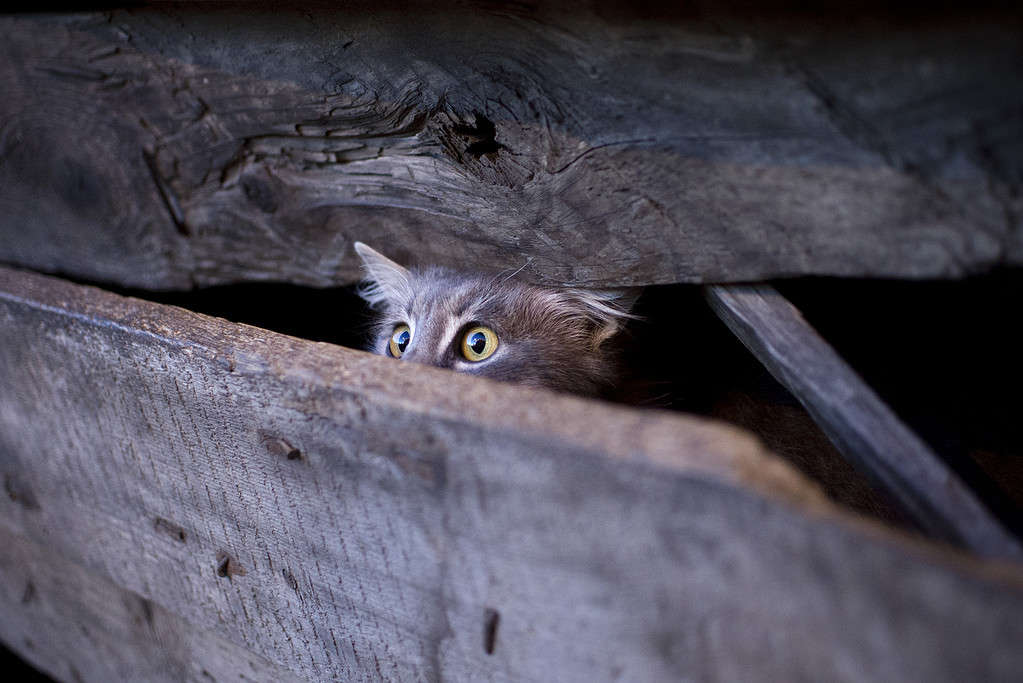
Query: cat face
{"x": 493, "y": 326}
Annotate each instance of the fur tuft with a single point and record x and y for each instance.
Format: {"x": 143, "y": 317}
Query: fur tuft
{"x": 608, "y": 309}
{"x": 387, "y": 284}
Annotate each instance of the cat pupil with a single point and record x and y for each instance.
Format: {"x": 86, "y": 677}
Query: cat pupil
{"x": 402, "y": 340}
{"x": 478, "y": 342}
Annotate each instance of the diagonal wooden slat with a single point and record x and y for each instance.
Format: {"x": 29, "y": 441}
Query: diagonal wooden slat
{"x": 859, "y": 423}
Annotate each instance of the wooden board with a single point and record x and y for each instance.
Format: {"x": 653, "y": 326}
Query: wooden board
{"x": 347, "y": 516}
{"x": 863, "y": 428}
{"x": 170, "y": 146}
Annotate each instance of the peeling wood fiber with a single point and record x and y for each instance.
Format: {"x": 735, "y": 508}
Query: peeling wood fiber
{"x": 435, "y": 527}
{"x": 168, "y": 147}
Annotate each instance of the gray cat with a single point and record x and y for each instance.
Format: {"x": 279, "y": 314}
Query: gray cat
{"x": 495, "y": 326}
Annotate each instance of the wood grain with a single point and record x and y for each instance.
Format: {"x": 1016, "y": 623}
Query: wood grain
{"x": 78, "y": 626}
{"x": 346, "y": 516}
{"x": 170, "y": 146}
{"x": 859, "y": 423}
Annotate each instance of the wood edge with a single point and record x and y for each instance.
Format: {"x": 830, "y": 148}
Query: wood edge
{"x": 729, "y": 455}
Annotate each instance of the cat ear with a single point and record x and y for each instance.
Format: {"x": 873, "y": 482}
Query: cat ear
{"x": 386, "y": 282}
{"x": 608, "y": 309}
{"x": 623, "y": 300}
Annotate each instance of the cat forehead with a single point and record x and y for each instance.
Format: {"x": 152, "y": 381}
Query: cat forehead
{"x": 449, "y": 293}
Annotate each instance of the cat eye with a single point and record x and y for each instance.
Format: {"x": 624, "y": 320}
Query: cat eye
{"x": 400, "y": 338}
{"x": 479, "y": 343}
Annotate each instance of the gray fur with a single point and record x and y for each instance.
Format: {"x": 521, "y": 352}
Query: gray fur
{"x": 556, "y": 338}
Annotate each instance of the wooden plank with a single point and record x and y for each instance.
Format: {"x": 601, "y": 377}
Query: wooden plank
{"x": 351, "y": 517}
{"x": 857, "y": 421}
{"x": 78, "y": 626}
{"x": 174, "y": 146}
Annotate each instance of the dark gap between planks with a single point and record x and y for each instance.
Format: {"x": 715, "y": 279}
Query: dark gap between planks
{"x": 944, "y": 355}
{"x": 17, "y": 669}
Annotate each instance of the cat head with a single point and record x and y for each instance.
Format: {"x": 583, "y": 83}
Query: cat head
{"x": 495, "y": 326}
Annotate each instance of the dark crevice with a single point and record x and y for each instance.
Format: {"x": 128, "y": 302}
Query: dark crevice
{"x": 334, "y": 315}
{"x": 944, "y": 355}
{"x": 170, "y": 200}
{"x": 17, "y": 669}
{"x": 482, "y": 136}
{"x": 684, "y": 358}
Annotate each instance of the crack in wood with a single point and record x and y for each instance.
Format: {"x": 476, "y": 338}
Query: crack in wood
{"x": 482, "y": 136}
{"x": 170, "y": 200}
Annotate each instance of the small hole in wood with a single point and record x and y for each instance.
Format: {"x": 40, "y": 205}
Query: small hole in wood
{"x": 482, "y": 136}
{"x": 280, "y": 447}
{"x": 175, "y": 531}
{"x": 227, "y": 566}
{"x": 491, "y": 618}
{"x": 20, "y": 493}
{"x": 29, "y": 593}
{"x": 146, "y": 607}
{"x": 290, "y": 579}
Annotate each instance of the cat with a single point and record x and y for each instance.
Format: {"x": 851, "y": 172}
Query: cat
{"x": 496, "y": 326}
{"x": 570, "y": 340}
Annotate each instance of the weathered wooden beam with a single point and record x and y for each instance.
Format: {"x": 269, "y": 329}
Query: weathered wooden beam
{"x": 857, "y": 421}
{"x": 351, "y": 517}
{"x": 78, "y": 626}
{"x": 171, "y": 146}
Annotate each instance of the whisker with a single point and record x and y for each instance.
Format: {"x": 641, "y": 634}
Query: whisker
{"x": 529, "y": 259}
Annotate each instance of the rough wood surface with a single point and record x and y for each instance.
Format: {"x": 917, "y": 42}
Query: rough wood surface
{"x": 351, "y": 517}
{"x": 78, "y": 626}
{"x": 172, "y": 146}
{"x": 863, "y": 428}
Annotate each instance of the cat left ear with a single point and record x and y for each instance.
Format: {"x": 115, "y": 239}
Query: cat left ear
{"x": 386, "y": 282}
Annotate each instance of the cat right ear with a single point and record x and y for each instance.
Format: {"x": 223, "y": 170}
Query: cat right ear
{"x": 386, "y": 282}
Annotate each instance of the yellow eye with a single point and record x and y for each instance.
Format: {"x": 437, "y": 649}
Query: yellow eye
{"x": 400, "y": 338}
{"x": 479, "y": 343}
